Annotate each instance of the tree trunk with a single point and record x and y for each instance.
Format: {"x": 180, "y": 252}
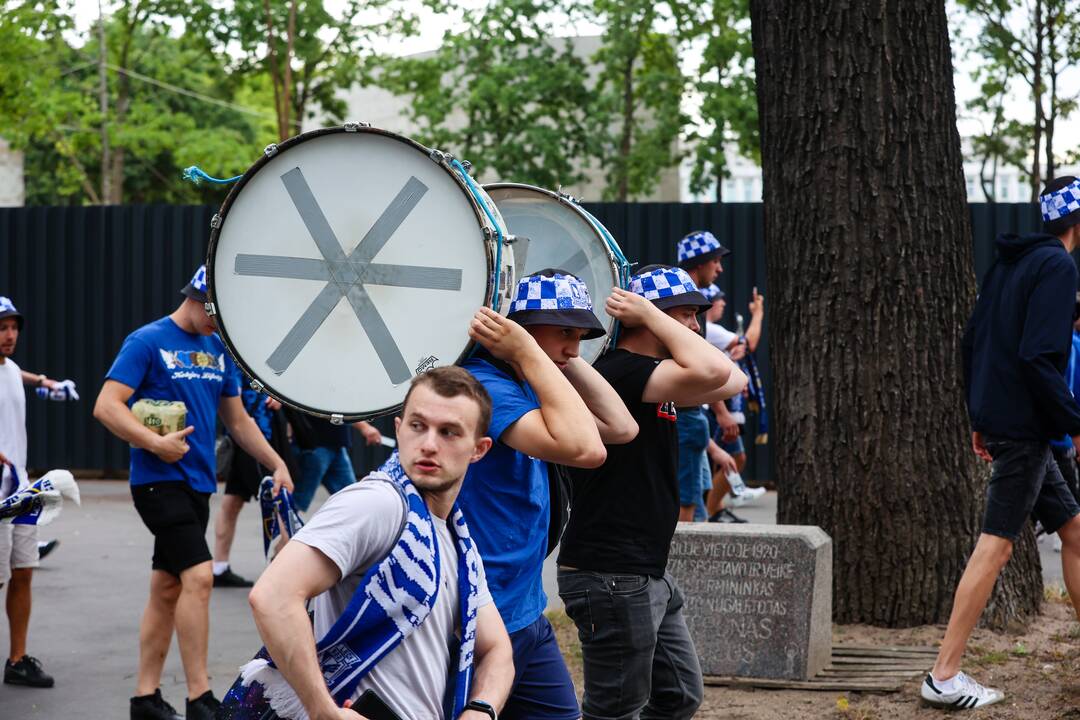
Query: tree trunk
{"x": 869, "y": 267}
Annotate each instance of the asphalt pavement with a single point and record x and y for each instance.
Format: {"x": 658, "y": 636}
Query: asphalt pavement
{"x": 89, "y": 596}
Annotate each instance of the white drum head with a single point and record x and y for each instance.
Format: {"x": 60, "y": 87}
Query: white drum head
{"x": 559, "y": 236}
{"x": 344, "y": 265}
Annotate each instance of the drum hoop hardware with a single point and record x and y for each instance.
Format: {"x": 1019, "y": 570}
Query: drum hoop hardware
{"x": 355, "y": 126}
{"x": 257, "y": 386}
{"x": 337, "y": 419}
{"x": 444, "y": 158}
{"x": 211, "y": 308}
{"x": 215, "y": 221}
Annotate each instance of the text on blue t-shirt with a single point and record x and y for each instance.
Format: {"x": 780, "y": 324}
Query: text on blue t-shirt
{"x": 160, "y": 361}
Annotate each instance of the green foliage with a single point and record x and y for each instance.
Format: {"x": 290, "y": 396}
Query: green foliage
{"x": 727, "y": 87}
{"x": 638, "y": 115}
{"x": 306, "y": 53}
{"x": 502, "y": 93}
{"x": 1023, "y": 49}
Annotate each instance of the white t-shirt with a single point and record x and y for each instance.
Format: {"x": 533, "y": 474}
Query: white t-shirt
{"x": 12, "y": 421}
{"x": 719, "y": 336}
{"x": 356, "y": 528}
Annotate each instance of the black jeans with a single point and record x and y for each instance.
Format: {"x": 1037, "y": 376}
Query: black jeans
{"x": 640, "y": 661}
{"x": 1025, "y": 480}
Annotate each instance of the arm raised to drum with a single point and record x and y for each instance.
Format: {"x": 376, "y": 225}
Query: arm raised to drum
{"x": 249, "y": 437}
{"x": 111, "y": 410}
{"x": 698, "y": 372}
{"x": 562, "y": 430}
{"x": 613, "y": 420}
{"x": 278, "y": 603}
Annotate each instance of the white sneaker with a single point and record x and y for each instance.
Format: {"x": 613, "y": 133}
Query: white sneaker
{"x": 746, "y": 497}
{"x": 967, "y": 695}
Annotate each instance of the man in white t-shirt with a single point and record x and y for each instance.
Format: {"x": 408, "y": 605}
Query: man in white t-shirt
{"x": 18, "y": 543}
{"x": 439, "y": 434}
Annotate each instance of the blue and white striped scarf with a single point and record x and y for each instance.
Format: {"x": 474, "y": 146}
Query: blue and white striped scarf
{"x": 394, "y": 597}
{"x": 38, "y": 502}
{"x": 279, "y": 514}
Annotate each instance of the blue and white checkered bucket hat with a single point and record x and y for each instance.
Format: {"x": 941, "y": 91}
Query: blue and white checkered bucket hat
{"x": 196, "y": 287}
{"x": 698, "y": 247}
{"x": 554, "y": 297}
{"x": 7, "y": 309}
{"x": 712, "y": 293}
{"x": 1061, "y": 203}
{"x": 667, "y": 287}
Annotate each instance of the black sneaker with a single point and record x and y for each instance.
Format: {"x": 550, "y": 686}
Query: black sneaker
{"x": 725, "y": 516}
{"x": 153, "y": 707}
{"x": 27, "y": 672}
{"x": 231, "y": 579}
{"x": 204, "y": 707}
{"x": 44, "y": 548}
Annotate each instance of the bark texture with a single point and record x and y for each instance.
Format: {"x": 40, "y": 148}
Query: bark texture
{"x": 869, "y": 257}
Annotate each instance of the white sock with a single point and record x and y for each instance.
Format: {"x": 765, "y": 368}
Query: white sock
{"x": 944, "y": 686}
{"x": 220, "y": 567}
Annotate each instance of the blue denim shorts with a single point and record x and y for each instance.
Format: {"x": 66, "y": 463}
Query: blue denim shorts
{"x": 693, "y": 431}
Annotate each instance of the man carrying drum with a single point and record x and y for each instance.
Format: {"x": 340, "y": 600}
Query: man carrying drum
{"x": 639, "y": 657}
{"x": 550, "y": 406}
{"x": 178, "y": 358}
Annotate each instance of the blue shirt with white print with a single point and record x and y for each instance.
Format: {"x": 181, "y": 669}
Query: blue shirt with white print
{"x": 160, "y": 361}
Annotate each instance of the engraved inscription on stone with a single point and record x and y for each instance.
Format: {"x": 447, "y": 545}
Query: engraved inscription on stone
{"x": 758, "y": 598}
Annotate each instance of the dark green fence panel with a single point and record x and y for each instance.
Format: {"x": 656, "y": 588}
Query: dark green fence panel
{"x": 86, "y": 277}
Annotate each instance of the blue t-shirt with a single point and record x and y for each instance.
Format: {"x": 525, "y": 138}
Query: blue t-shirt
{"x": 1072, "y": 377}
{"x": 162, "y": 362}
{"x": 506, "y": 499}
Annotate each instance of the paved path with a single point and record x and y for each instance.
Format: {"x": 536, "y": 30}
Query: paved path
{"x": 89, "y": 596}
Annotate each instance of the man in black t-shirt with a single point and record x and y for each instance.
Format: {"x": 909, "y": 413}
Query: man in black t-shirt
{"x": 638, "y": 655}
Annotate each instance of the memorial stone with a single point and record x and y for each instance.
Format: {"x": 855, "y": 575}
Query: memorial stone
{"x": 758, "y": 598}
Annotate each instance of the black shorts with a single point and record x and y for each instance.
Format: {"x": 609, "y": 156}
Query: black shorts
{"x": 1025, "y": 480}
{"x": 1066, "y": 462}
{"x": 244, "y": 476}
{"x": 177, "y": 516}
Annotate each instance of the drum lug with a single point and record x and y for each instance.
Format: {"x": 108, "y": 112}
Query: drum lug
{"x": 354, "y": 126}
{"x": 215, "y": 222}
{"x": 257, "y": 386}
{"x": 270, "y": 150}
{"x": 210, "y": 308}
{"x": 468, "y": 167}
{"x": 337, "y": 419}
{"x": 440, "y": 157}
{"x": 566, "y": 196}
{"x": 488, "y": 234}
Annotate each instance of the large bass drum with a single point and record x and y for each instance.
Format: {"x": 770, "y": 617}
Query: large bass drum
{"x": 554, "y": 231}
{"x": 348, "y": 260}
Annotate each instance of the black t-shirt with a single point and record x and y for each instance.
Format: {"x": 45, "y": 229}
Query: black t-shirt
{"x": 327, "y": 434}
{"x": 624, "y": 511}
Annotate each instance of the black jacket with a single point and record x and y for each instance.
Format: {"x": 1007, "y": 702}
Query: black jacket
{"x": 1017, "y": 342}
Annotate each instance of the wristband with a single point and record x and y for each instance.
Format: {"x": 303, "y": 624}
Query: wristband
{"x": 481, "y": 706}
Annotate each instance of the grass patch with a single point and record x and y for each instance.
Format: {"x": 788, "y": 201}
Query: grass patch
{"x": 567, "y": 636}
{"x": 984, "y": 657}
{"x": 1057, "y": 594}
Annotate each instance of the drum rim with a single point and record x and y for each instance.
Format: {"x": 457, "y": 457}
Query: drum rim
{"x": 585, "y": 215}
{"x": 217, "y": 224}
{"x": 568, "y": 202}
